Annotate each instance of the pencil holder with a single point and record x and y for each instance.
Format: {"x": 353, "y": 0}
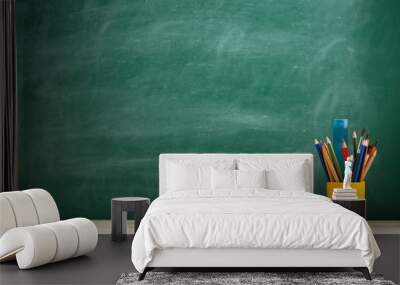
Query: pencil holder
{"x": 359, "y": 186}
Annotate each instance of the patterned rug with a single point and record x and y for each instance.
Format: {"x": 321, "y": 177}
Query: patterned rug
{"x": 269, "y": 278}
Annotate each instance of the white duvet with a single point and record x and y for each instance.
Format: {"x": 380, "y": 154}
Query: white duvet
{"x": 250, "y": 219}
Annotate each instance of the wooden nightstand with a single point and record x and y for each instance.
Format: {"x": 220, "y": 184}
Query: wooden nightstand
{"x": 357, "y": 206}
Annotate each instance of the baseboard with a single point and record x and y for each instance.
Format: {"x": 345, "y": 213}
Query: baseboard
{"x": 104, "y": 226}
{"x": 378, "y": 227}
{"x": 385, "y": 227}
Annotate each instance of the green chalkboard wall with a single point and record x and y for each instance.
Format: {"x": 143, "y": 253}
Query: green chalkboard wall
{"x": 106, "y": 86}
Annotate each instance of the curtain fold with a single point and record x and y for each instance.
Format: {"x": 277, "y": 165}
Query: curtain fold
{"x": 8, "y": 97}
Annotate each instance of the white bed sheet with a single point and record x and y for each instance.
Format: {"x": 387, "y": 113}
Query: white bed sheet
{"x": 251, "y": 218}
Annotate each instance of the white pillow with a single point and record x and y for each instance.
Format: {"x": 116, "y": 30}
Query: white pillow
{"x": 223, "y": 179}
{"x": 251, "y": 178}
{"x": 187, "y": 174}
{"x": 280, "y": 174}
{"x": 193, "y": 174}
{"x": 291, "y": 179}
{"x": 227, "y": 179}
{"x": 187, "y": 177}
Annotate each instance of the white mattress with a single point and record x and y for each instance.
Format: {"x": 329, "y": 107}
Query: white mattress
{"x": 252, "y": 219}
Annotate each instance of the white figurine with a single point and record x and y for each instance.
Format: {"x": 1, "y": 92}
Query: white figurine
{"x": 347, "y": 172}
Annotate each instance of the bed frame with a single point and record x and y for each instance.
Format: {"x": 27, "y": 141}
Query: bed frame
{"x": 242, "y": 259}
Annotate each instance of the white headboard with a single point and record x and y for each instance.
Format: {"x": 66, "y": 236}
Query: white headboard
{"x": 307, "y": 157}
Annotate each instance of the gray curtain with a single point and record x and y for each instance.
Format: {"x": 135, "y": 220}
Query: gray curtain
{"x": 8, "y": 98}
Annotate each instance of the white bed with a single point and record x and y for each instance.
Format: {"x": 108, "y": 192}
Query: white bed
{"x": 248, "y": 227}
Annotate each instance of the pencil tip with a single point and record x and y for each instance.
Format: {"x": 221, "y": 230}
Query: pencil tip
{"x": 363, "y": 131}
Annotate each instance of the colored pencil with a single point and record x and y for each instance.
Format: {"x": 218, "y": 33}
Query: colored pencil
{"x": 354, "y": 141}
{"x": 325, "y": 155}
{"x": 360, "y": 161}
{"x": 357, "y": 154}
{"x": 369, "y": 163}
{"x": 318, "y": 147}
{"x": 372, "y": 149}
{"x": 374, "y": 146}
{"x": 369, "y": 152}
{"x": 335, "y": 175}
{"x": 355, "y": 163}
{"x": 329, "y": 163}
{"x": 334, "y": 159}
{"x": 365, "y": 157}
{"x": 363, "y": 131}
{"x": 345, "y": 151}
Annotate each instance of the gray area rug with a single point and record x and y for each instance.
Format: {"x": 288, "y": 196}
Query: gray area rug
{"x": 268, "y": 278}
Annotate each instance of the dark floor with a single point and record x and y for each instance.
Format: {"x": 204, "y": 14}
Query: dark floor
{"x": 110, "y": 260}
{"x": 103, "y": 266}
